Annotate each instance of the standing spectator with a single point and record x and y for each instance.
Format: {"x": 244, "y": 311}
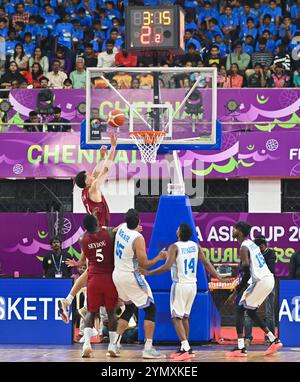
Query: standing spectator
{"x": 20, "y": 15}
{"x": 262, "y": 56}
{"x": 270, "y": 259}
{"x": 107, "y": 58}
{"x": 63, "y": 32}
{"x": 33, "y": 118}
{"x": 89, "y": 56}
{"x": 279, "y": 79}
{"x": 78, "y": 76}
{"x": 11, "y": 75}
{"x": 20, "y": 57}
{"x": 38, "y": 57}
{"x": 62, "y": 127}
{"x": 238, "y": 57}
{"x": 123, "y": 58}
{"x": 294, "y": 266}
{"x": 257, "y": 79}
{"x": 234, "y": 80}
{"x": 54, "y": 263}
{"x": 56, "y": 77}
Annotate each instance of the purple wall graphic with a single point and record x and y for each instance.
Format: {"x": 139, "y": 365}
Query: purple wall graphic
{"x": 26, "y": 238}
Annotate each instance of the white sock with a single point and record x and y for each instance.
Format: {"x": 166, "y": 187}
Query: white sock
{"x": 148, "y": 344}
{"x": 241, "y": 343}
{"x": 112, "y": 336}
{"x": 117, "y": 340}
{"x": 185, "y": 345}
{"x": 271, "y": 336}
{"x": 70, "y": 299}
{"x": 88, "y": 333}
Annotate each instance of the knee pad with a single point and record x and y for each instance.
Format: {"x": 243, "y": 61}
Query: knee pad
{"x": 150, "y": 312}
{"x": 128, "y": 312}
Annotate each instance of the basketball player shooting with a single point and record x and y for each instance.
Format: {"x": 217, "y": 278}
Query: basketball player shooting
{"x": 182, "y": 259}
{"x": 262, "y": 283}
{"x": 94, "y": 203}
{"x": 97, "y": 246}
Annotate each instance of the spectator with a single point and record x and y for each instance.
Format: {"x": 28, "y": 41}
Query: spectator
{"x": 229, "y": 24}
{"x": 65, "y": 61}
{"x": 222, "y": 76}
{"x": 19, "y": 28}
{"x": 54, "y": 263}
{"x": 89, "y": 56}
{"x": 223, "y": 48}
{"x": 78, "y": 76}
{"x": 247, "y": 46}
{"x": 135, "y": 83}
{"x": 20, "y": 57}
{"x": 190, "y": 39}
{"x": 274, "y": 11}
{"x": 262, "y": 56}
{"x": 282, "y": 57}
{"x": 287, "y": 29}
{"x": 123, "y": 58}
{"x": 68, "y": 84}
{"x": 63, "y": 32}
{"x": 248, "y": 29}
{"x": 192, "y": 55}
{"x": 234, "y": 80}
{"x": 28, "y": 45}
{"x": 295, "y": 10}
{"x": 33, "y": 118}
{"x": 246, "y": 14}
{"x": 33, "y": 28}
{"x": 11, "y": 42}
{"x": 3, "y": 28}
{"x": 56, "y": 77}
{"x": 270, "y": 259}
{"x": 107, "y": 58}
{"x": 146, "y": 81}
{"x": 294, "y": 266}
{"x": 62, "y": 127}
{"x": 270, "y": 44}
{"x": 33, "y": 77}
{"x": 214, "y": 57}
{"x": 238, "y": 57}
{"x": 16, "y": 85}
{"x": 123, "y": 80}
{"x": 44, "y": 82}
{"x": 267, "y": 25}
{"x": 11, "y": 75}
{"x": 116, "y": 38}
{"x": 78, "y": 35}
{"x": 84, "y": 19}
{"x": 38, "y": 57}
{"x": 257, "y": 79}
{"x": 296, "y": 78}
{"x": 279, "y": 79}
{"x": 20, "y": 15}
{"x": 50, "y": 17}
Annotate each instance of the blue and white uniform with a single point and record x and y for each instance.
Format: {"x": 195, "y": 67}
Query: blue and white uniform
{"x": 131, "y": 286}
{"x": 184, "y": 277}
{"x": 262, "y": 279}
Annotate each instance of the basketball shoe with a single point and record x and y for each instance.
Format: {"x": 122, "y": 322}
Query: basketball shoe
{"x": 236, "y": 352}
{"x": 274, "y": 347}
{"x": 153, "y": 354}
{"x": 64, "y": 307}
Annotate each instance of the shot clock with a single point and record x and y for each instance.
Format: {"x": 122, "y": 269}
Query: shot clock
{"x": 154, "y": 28}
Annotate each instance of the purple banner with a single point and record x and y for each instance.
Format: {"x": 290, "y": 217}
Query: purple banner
{"x": 27, "y": 237}
{"x": 274, "y": 154}
{"x": 277, "y": 108}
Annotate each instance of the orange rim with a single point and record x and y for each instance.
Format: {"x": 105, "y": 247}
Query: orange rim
{"x": 150, "y": 137}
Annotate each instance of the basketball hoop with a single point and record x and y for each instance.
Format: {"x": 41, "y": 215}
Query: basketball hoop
{"x": 148, "y": 143}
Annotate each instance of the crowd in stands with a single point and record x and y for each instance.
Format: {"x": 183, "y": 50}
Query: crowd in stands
{"x": 49, "y": 44}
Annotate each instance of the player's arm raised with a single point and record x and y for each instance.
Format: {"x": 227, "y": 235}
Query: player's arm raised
{"x": 208, "y": 266}
{"x": 171, "y": 257}
{"x": 139, "y": 248}
{"x": 98, "y": 168}
{"x": 106, "y": 165}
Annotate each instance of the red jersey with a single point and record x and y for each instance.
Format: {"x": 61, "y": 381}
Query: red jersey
{"x": 102, "y": 209}
{"x": 98, "y": 248}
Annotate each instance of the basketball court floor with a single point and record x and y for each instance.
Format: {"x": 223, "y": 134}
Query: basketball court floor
{"x": 132, "y": 353}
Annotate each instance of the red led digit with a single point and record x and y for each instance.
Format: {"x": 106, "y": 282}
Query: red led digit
{"x": 145, "y": 35}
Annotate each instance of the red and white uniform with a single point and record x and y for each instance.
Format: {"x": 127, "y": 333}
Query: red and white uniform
{"x": 99, "y": 250}
{"x": 101, "y": 208}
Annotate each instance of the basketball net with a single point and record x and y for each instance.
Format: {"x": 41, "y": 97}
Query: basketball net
{"x": 148, "y": 143}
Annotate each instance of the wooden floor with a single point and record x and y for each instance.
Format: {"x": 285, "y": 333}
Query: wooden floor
{"x": 132, "y": 353}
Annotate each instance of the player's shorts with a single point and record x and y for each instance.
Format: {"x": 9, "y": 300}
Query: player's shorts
{"x": 133, "y": 288}
{"x": 101, "y": 291}
{"x": 181, "y": 299}
{"x": 257, "y": 292}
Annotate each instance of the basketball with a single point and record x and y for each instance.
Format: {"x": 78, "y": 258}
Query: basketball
{"x": 116, "y": 118}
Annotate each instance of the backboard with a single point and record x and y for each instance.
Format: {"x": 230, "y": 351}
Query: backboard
{"x": 182, "y": 102}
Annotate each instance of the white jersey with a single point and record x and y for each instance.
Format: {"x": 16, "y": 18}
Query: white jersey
{"x": 258, "y": 266}
{"x": 184, "y": 269}
{"x": 125, "y": 258}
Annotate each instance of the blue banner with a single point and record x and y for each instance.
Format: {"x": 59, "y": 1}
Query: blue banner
{"x": 29, "y": 312}
{"x": 289, "y": 312}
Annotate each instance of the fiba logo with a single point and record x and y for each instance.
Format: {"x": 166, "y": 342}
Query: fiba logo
{"x": 272, "y": 145}
{"x": 296, "y": 49}
{"x": 18, "y": 169}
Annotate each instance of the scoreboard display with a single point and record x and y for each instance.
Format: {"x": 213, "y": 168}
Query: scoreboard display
{"x": 154, "y": 28}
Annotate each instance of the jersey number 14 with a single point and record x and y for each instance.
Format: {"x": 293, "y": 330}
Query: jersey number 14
{"x": 190, "y": 265}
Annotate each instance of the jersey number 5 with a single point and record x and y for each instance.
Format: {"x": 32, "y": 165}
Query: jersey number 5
{"x": 99, "y": 255}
